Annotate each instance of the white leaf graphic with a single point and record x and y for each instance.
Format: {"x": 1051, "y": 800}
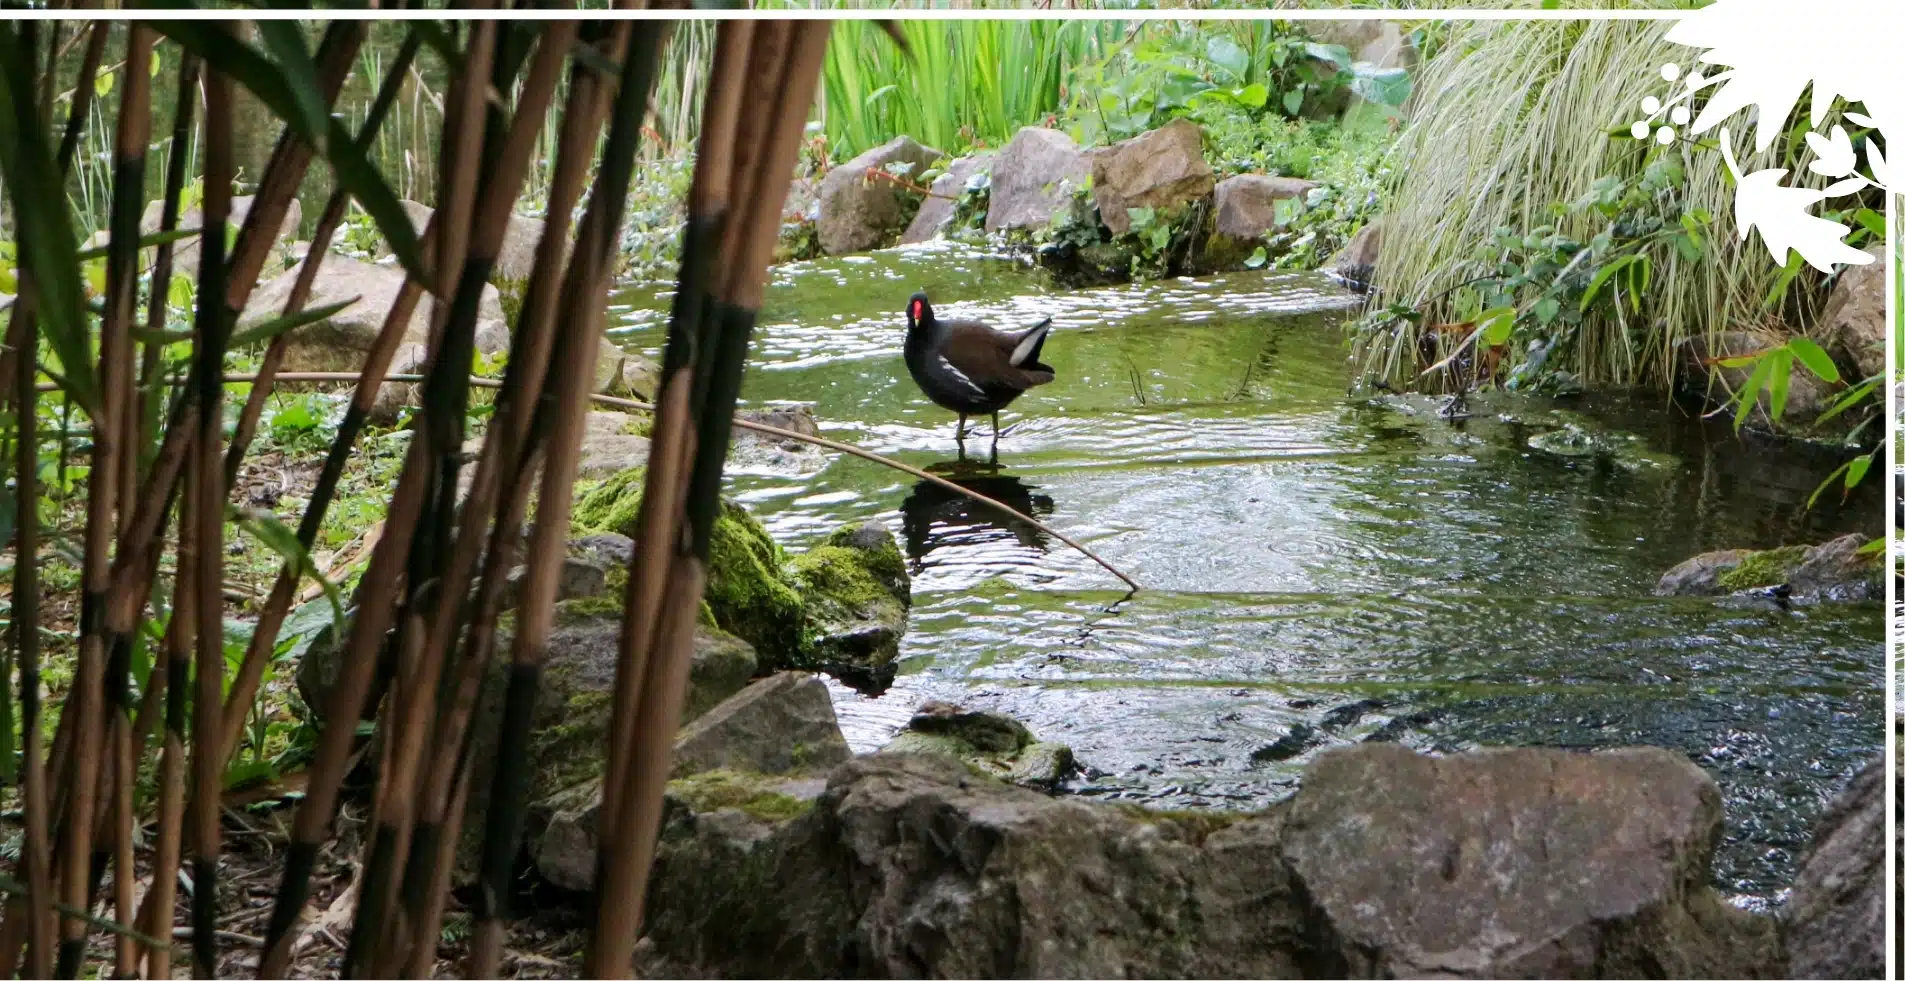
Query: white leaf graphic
{"x": 1880, "y": 167}
{"x": 1779, "y": 213}
{"x": 1835, "y": 155}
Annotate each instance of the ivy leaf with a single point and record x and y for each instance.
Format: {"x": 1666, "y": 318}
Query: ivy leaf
{"x": 1257, "y": 259}
{"x": 1496, "y": 325}
{"x": 1293, "y": 101}
{"x": 1546, "y": 309}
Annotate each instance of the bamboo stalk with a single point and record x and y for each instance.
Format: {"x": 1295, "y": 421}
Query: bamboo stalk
{"x": 180, "y": 639}
{"x": 34, "y": 849}
{"x": 205, "y": 489}
{"x": 575, "y": 353}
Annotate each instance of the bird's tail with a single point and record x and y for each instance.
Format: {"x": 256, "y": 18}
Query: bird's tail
{"x": 1025, "y": 355}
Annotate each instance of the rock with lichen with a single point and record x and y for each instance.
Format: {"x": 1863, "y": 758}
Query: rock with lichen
{"x": 1841, "y": 570}
{"x": 856, "y": 593}
{"x": 987, "y": 742}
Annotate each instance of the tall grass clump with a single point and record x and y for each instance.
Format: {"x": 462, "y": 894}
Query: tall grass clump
{"x": 1513, "y": 125}
{"x": 965, "y": 83}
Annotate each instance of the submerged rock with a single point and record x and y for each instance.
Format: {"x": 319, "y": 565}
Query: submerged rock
{"x": 988, "y": 742}
{"x": 1032, "y": 179}
{"x": 1624, "y": 450}
{"x": 859, "y": 211}
{"x": 1834, "y": 925}
{"x": 1163, "y": 168}
{"x": 1835, "y": 571}
{"x": 856, "y": 593}
{"x": 1523, "y": 863}
{"x": 1355, "y": 265}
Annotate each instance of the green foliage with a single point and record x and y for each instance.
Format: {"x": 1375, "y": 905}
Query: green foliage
{"x": 1264, "y": 69}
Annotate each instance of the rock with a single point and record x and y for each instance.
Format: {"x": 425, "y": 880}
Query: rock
{"x": 1355, "y": 265}
{"x": 608, "y": 368}
{"x": 793, "y": 418}
{"x": 747, "y": 590}
{"x": 515, "y": 259}
{"x": 782, "y": 723}
{"x": 578, "y": 578}
{"x": 641, "y": 378}
{"x": 1518, "y": 863}
{"x": 1575, "y": 440}
{"x": 1853, "y": 323}
{"x": 859, "y": 211}
{"x": 910, "y": 866}
{"x": 856, "y": 593}
{"x": 185, "y": 250}
{"x": 936, "y": 211}
{"x": 569, "y": 746}
{"x": 1834, "y": 924}
{"x": 803, "y": 200}
{"x": 1706, "y": 384}
{"x": 1032, "y": 179}
{"x": 987, "y": 742}
{"x": 1834, "y": 571}
{"x": 608, "y": 549}
{"x": 1379, "y": 43}
{"x": 727, "y": 812}
{"x": 1247, "y": 204}
{"x": 342, "y": 342}
{"x": 1162, "y": 169}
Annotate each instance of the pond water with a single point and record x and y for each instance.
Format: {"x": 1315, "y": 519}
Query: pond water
{"x": 1321, "y": 567}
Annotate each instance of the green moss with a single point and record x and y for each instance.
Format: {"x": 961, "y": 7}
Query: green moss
{"x": 572, "y": 749}
{"x": 841, "y": 574}
{"x": 747, "y": 593}
{"x": 511, "y": 296}
{"x": 639, "y": 425}
{"x": 746, "y": 792}
{"x": 590, "y": 607}
{"x": 1768, "y": 568}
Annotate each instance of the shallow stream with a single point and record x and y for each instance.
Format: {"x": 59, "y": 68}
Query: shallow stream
{"x": 1320, "y": 567}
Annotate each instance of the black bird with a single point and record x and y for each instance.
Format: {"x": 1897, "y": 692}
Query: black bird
{"x": 969, "y": 367}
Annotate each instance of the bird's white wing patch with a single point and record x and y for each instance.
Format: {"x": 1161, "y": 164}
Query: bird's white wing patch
{"x": 956, "y": 373}
{"x": 1032, "y": 337}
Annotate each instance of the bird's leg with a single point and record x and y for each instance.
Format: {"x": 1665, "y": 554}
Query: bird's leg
{"x": 960, "y": 435}
{"x": 995, "y": 427}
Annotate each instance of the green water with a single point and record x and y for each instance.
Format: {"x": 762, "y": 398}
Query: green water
{"x": 1321, "y": 567}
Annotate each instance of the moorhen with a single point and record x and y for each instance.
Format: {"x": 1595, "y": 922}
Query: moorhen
{"x": 969, "y": 367}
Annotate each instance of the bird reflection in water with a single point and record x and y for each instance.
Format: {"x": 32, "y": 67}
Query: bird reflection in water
{"x": 933, "y": 517}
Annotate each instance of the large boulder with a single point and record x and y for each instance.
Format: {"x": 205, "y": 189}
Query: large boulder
{"x": 1525, "y": 863}
{"x": 1853, "y": 323}
{"x": 1161, "y": 169}
{"x": 516, "y": 258}
{"x": 1032, "y": 179}
{"x": 777, "y": 729}
{"x": 1834, "y": 571}
{"x": 1518, "y": 863}
{"x": 861, "y": 211}
{"x": 1834, "y": 924}
{"x": 856, "y": 594}
{"x": 185, "y": 251}
{"x": 936, "y": 212}
{"x": 1247, "y": 204}
{"x": 1378, "y": 43}
{"x": 343, "y": 341}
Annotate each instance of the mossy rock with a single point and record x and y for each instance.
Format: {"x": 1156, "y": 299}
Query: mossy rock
{"x": 1584, "y": 442}
{"x": 856, "y": 592}
{"x": 1841, "y": 570}
{"x": 747, "y": 591}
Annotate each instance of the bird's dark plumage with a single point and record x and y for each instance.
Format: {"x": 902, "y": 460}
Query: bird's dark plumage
{"x": 969, "y": 367}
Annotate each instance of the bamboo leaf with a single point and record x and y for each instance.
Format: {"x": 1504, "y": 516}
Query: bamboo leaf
{"x": 353, "y": 169}
{"x": 145, "y": 242}
{"x": 1749, "y": 394}
{"x": 286, "y": 43}
{"x": 1600, "y": 279}
{"x": 1778, "y": 381}
{"x": 270, "y": 329}
{"x": 1846, "y": 401}
{"x": 1814, "y": 358}
{"x": 48, "y": 247}
{"x": 283, "y": 541}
